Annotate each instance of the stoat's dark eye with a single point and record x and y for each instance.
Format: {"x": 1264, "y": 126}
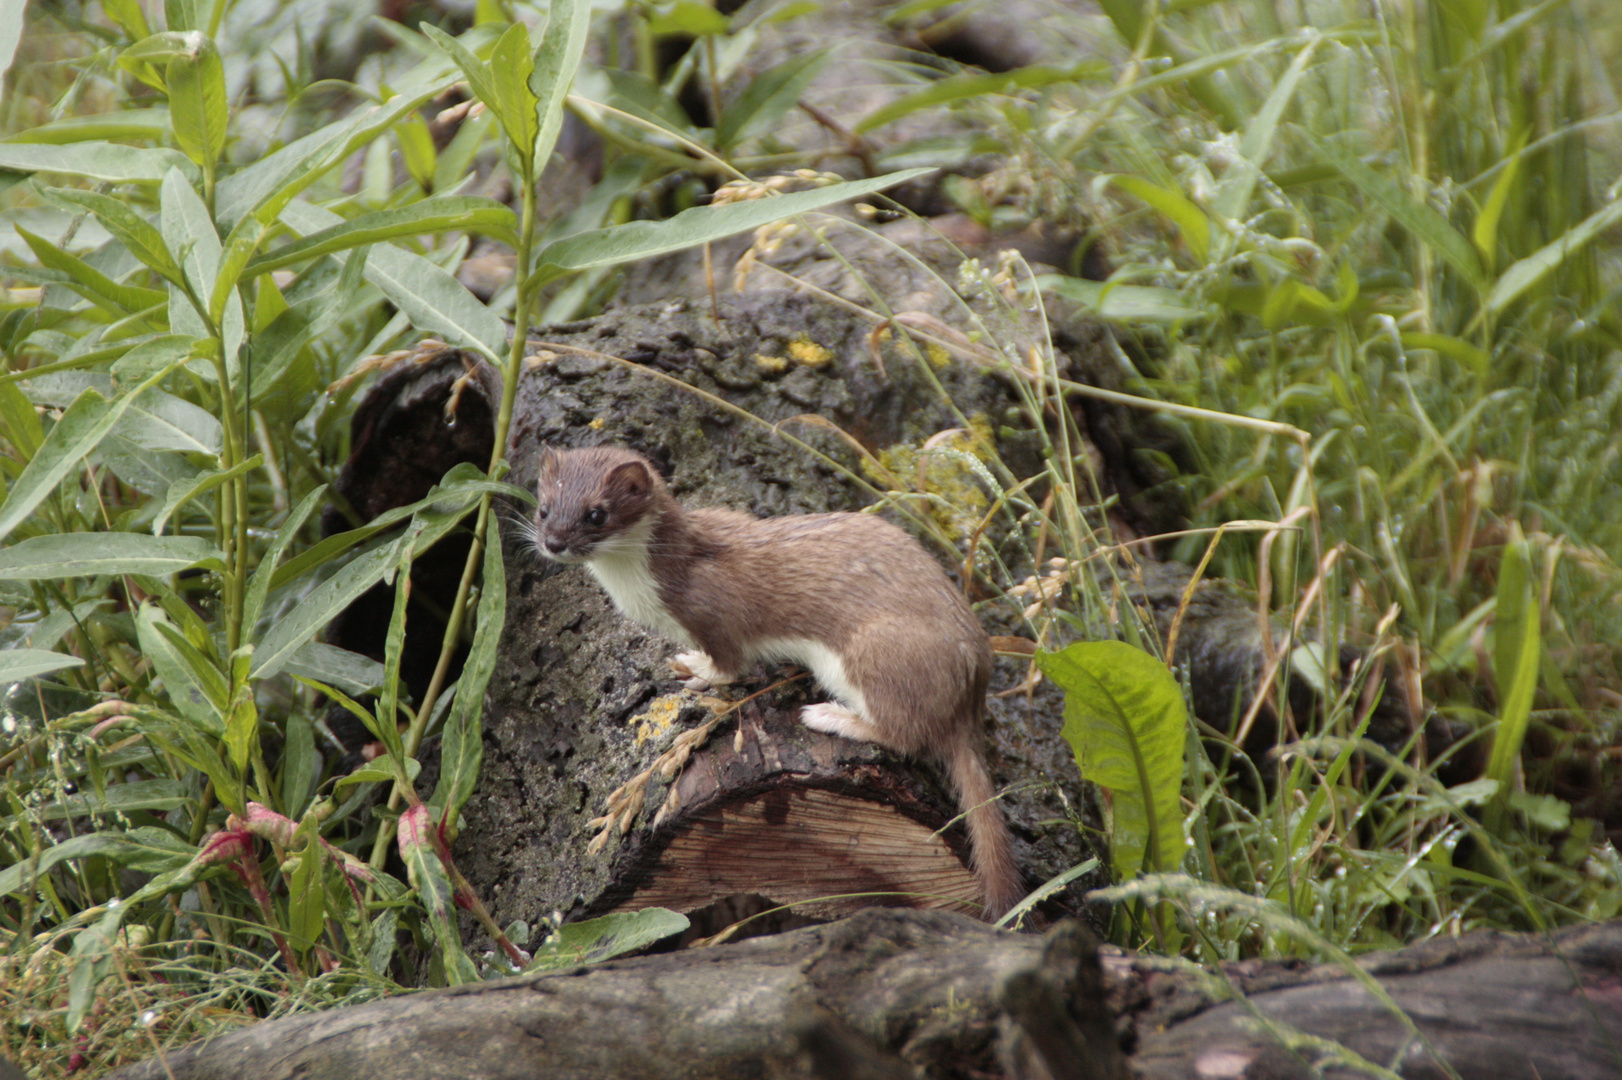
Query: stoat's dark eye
{"x": 597, "y": 516}
{"x": 542, "y": 510}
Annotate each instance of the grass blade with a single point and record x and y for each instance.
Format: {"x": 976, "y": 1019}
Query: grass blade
{"x": 1424, "y": 223}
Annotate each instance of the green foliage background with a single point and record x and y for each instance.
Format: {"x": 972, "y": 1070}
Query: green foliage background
{"x": 1364, "y": 262}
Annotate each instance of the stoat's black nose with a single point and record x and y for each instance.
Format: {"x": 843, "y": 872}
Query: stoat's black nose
{"x": 556, "y": 545}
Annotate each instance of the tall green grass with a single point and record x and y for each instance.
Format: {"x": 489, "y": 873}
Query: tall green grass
{"x": 1392, "y": 226}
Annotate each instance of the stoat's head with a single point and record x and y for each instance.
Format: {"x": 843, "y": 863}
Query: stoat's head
{"x": 594, "y": 502}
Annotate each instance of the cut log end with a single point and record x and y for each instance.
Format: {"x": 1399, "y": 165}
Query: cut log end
{"x": 826, "y": 825}
{"x": 827, "y": 854}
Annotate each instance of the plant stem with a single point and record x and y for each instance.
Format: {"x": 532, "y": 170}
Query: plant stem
{"x": 475, "y": 556}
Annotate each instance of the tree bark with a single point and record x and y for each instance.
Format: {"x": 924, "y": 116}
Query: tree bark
{"x": 909, "y": 994}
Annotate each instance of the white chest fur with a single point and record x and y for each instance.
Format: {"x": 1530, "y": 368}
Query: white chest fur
{"x": 622, "y": 567}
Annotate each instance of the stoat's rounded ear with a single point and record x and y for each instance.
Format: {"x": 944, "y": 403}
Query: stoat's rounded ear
{"x": 550, "y": 460}
{"x": 630, "y": 478}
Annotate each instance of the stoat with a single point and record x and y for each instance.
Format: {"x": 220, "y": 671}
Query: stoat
{"x": 851, "y": 597}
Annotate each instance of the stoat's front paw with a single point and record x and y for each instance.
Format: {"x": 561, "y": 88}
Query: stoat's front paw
{"x": 697, "y": 671}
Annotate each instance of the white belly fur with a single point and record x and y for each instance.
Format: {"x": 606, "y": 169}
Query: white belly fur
{"x": 624, "y": 573}
{"x": 826, "y": 667}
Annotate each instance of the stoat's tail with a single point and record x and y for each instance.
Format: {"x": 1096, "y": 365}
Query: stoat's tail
{"x": 991, "y": 847}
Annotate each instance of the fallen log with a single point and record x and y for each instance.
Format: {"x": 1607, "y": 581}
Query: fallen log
{"x": 908, "y": 994}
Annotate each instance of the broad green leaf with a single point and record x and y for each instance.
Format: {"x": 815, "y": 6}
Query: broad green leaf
{"x": 383, "y": 929}
{"x": 154, "y": 355}
{"x": 87, "y": 846}
{"x": 280, "y": 176}
{"x": 129, "y": 16}
{"x": 465, "y": 213}
{"x": 1232, "y": 199}
{"x": 1288, "y": 301}
{"x": 1516, "y": 651}
{"x": 393, "y": 649}
{"x": 1471, "y": 356}
{"x": 591, "y": 941}
{"x": 156, "y": 795}
{"x": 85, "y": 423}
{"x": 701, "y": 224}
{"x": 195, "y": 684}
{"x": 430, "y": 296}
{"x": 1459, "y": 797}
{"x": 382, "y": 771}
{"x": 1426, "y": 224}
{"x": 348, "y": 671}
{"x": 975, "y": 85}
{"x": 433, "y": 887}
{"x": 90, "y": 961}
{"x": 180, "y": 494}
{"x": 259, "y": 583}
{"x": 1125, "y": 719}
{"x": 1485, "y": 234}
{"x": 324, "y": 602}
{"x": 135, "y": 232}
{"x": 556, "y": 61}
{"x": 166, "y": 45}
{"x": 1126, "y": 303}
{"x": 1541, "y": 263}
{"x": 127, "y": 125}
{"x": 11, "y": 33}
{"x": 306, "y": 891}
{"x": 160, "y": 421}
{"x": 197, "y": 103}
{"x": 768, "y": 97}
{"x": 1544, "y": 811}
{"x": 154, "y": 850}
{"x": 457, "y": 489}
{"x": 103, "y": 162}
{"x": 416, "y": 148}
{"x": 278, "y": 345}
{"x": 435, "y": 301}
{"x": 173, "y": 668}
{"x": 685, "y": 18}
{"x": 241, "y": 724}
{"x": 244, "y": 240}
{"x": 266, "y": 187}
{"x": 511, "y": 63}
{"x": 301, "y": 765}
{"x": 23, "y": 428}
{"x": 46, "y": 632}
{"x": 151, "y": 472}
{"x": 189, "y": 228}
{"x": 318, "y": 608}
{"x": 461, "y": 747}
{"x": 1190, "y": 220}
{"x": 19, "y": 664}
{"x": 92, "y": 283}
{"x": 43, "y": 558}
{"x": 478, "y": 74}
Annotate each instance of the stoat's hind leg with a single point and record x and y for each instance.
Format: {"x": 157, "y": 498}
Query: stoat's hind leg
{"x": 698, "y": 671}
{"x": 832, "y": 719}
